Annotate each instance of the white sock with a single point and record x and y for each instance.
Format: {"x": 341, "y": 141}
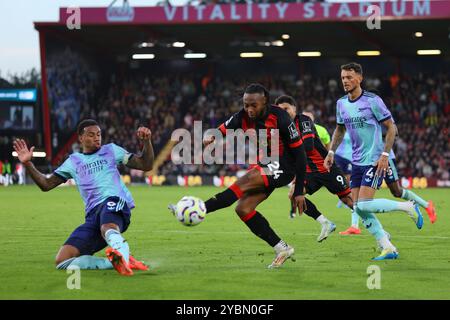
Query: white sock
{"x": 280, "y": 246}
{"x": 386, "y": 244}
{"x": 405, "y": 205}
{"x": 322, "y": 220}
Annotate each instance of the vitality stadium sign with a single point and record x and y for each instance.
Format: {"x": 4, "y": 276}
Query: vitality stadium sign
{"x": 277, "y": 12}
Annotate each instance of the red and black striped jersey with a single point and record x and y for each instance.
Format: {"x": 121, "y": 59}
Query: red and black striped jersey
{"x": 274, "y": 118}
{"x": 315, "y": 150}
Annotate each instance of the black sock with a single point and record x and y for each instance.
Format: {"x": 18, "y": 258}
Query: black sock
{"x": 221, "y": 200}
{"x": 312, "y": 210}
{"x": 293, "y": 207}
{"x": 261, "y": 228}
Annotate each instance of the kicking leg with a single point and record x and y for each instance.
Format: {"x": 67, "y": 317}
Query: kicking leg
{"x": 251, "y": 181}
{"x": 399, "y": 192}
{"x": 367, "y": 203}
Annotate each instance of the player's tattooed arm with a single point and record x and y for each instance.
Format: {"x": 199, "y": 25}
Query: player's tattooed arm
{"x": 391, "y": 133}
{"x": 337, "y": 138}
{"x": 383, "y": 162}
{"x": 44, "y": 183}
{"x": 145, "y": 160}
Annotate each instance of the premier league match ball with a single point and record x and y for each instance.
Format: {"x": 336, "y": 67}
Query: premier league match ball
{"x": 190, "y": 211}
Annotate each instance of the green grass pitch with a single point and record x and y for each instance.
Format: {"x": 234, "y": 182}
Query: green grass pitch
{"x": 220, "y": 258}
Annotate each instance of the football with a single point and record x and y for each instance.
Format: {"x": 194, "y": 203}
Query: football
{"x": 190, "y": 211}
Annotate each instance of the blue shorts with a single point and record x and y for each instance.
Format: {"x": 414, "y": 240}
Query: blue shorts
{"x": 344, "y": 164}
{"x": 365, "y": 176}
{"x": 87, "y": 238}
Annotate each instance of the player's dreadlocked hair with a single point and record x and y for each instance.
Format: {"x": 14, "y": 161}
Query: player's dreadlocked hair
{"x": 352, "y": 66}
{"x": 85, "y": 123}
{"x": 258, "y": 88}
{"x": 286, "y": 99}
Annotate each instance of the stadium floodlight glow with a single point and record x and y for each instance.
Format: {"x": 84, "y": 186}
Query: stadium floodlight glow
{"x": 178, "y": 44}
{"x": 368, "y": 53}
{"x": 251, "y": 54}
{"x": 277, "y": 43}
{"x": 433, "y": 52}
{"x": 143, "y": 56}
{"x": 418, "y": 34}
{"x": 309, "y": 54}
{"x": 285, "y": 36}
{"x": 195, "y": 55}
{"x": 36, "y": 154}
{"x": 146, "y": 45}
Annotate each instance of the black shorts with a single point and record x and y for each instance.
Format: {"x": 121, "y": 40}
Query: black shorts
{"x": 334, "y": 181}
{"x": 276, "y": 174}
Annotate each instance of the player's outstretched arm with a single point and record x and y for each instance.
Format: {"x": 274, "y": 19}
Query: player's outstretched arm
{"x": 25, "y": 155}
{"x": 338, "y": 136}
{"x": 143, "y": 162}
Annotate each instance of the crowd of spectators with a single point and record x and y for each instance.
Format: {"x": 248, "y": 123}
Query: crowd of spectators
{"x": 72, "y": 84}
{"x": 420, "y": 105}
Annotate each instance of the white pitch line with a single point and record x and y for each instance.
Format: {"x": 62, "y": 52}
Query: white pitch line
{"x": 297, "y": 233}
{"x": 225, "y": 232}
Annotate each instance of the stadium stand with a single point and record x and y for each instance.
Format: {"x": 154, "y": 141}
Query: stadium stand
{"x": 420, "y": 105}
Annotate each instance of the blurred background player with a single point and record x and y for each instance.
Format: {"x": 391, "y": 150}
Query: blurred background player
{"x": 316, "y": 174}
{"x": 107, "y": 200}
{"x": 361, "y": 113}
{"x": 6, "y": 173}
{"x": 262, "y": 179}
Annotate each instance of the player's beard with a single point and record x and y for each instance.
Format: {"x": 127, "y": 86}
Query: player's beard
{"x": 350, "y": 90}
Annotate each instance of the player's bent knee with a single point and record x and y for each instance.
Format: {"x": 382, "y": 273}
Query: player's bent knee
{"x": 242, "y": 210}
{"x": 107, "y": 226}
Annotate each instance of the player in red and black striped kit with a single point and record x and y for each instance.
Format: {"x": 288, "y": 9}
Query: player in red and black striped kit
{"x": 316, "y": 174}
{"x": 259, "y": 182}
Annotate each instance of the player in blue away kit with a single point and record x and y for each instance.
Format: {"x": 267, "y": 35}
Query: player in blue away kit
{"x": 361, "y": 113}
{"x": 392, "y": 181}
{"x": 107, "y": 201}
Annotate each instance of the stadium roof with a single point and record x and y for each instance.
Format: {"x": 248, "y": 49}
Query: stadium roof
{"x": 396, "y": 38}
{"x": 224, "y": 31}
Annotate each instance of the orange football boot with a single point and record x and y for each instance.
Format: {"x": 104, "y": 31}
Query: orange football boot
{"x": 351, "y": 230}
{"x": 431, "y": 211}
{"x": 137, "y": 265}
{"x": 118, "y": 262}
